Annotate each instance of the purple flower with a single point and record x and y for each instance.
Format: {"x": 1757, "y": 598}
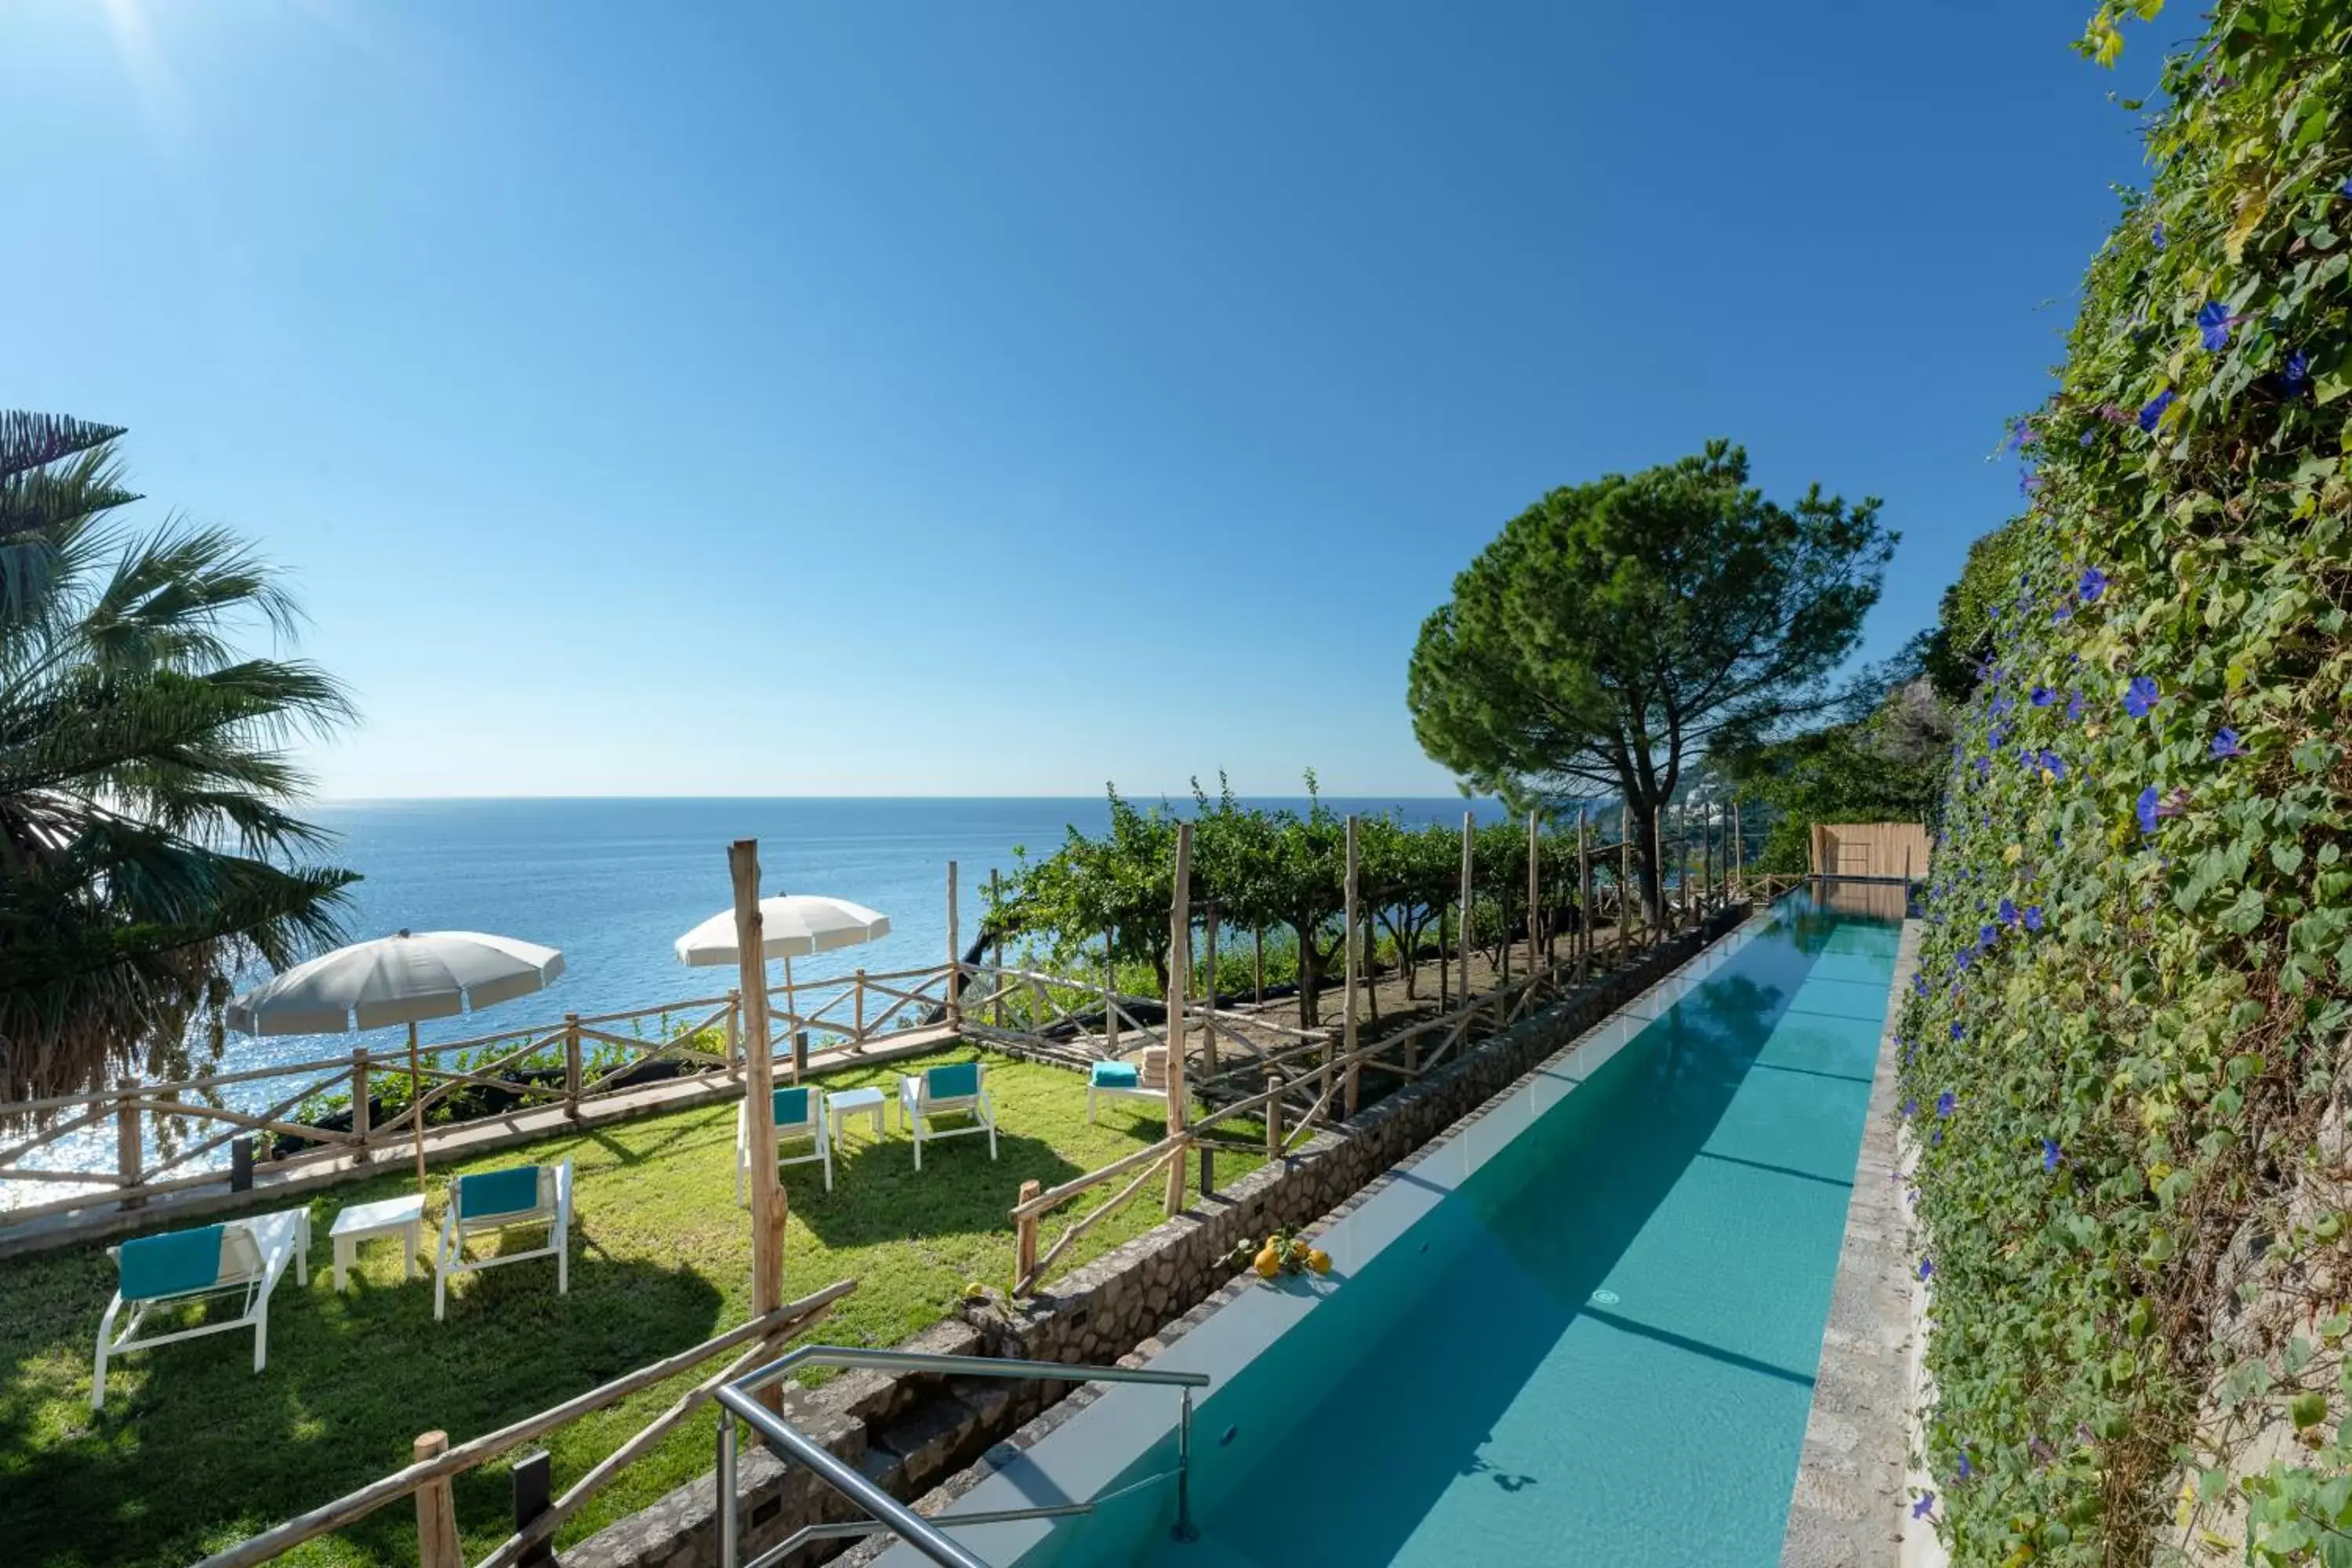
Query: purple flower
{"x": 1936, "y": 1139}
{"x": 2297, "y": 372}
{"x": 2028, "y": 483}
{"x": 2008, "y": 912}
{"x": 2085, "y": 440}
{"x": 1927, "y": 1503}
{"x": 2054, "y": 766}
{"x": 2346, "y": 190}
{"x": 2153, "y": 409}
{"x": 2139, "y": 697}
{"x": 1910, "y": 1108}
{"x": 1919, "y": 983}
{"x": 2043, "y": 696}
{"x": 2093, "y": 584}
{"x": 1947, "y": 1102}
{"x": 1988, "y": 935}
{"x": 1926, "y": 1268}
{"x": 1961, "y": 959}
{"x": 2146, "y": 809}
{"x": 2033, "y": 917}
{"x": 2213, "y": 323}
{"x": 1967, "y": 1469}
{"x": 2050, "y": 1154}
{"x": 1959, "y": 1030}
{"x": 2156, "y": 236}
{"x": 2225, "y": 744}
{"x": 2075, "y": 706}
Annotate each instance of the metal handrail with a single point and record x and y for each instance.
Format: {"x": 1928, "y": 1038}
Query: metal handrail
{"x": 736, "y": 1402}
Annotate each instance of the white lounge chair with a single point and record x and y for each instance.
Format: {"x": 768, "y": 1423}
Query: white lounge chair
{"x": 955, "y": 1090}
{"x": 800, "y": 1113}
{"x": 237, "y": 1257}
{"x": 523, "y": 1197}
{"x": 1145, "y": 1079}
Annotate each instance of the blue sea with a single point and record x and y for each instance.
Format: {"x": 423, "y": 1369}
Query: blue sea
{"x": 613, "y": 883}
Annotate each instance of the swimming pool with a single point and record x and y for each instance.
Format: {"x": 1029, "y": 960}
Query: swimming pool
{"x": 1582, "y": 1329}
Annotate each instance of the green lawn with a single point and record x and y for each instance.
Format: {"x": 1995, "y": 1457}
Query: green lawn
{"x": 194, "y": 1451}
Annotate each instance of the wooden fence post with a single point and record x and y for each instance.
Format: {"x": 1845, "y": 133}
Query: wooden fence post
{"x": 1024, "y": 1241}
{"x": 759, "y": 1087}
{"x": 127, "y": 1149}
{"x": 1583, "y": 896}
{"x": 955, "y": 957}
{"x": 1349, "y": 942}
{"x": 534, "y": 1493}
{"x": 1274, "y": 1115}
{"x": 996, "y": 904}
{"x": 1658, "y": 863}
{"x": 1462, "y": 945}
{"x": 857, "y": 1029}
{"x": 436, "y": 1510}
{"x": 1110, "y": 996}
{"x": 1179, "y": 981}
{"x": 1257, "y": 965}
{"x": 571, "y": 1066}
{"x": 1738, "y": 857}
{"x": 1534, "y": 892}
{"x": 1624, "y": 881}
{"x": 735, "y": 1031}
{"x": 1209, "y": 1024}
{"x": 362, "y": 1114}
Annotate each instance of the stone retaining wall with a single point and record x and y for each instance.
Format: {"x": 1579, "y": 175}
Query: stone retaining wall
{"x": 910, "y": 1431}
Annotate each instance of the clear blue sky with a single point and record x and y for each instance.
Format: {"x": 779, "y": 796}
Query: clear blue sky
{"x": 973, "y": 399}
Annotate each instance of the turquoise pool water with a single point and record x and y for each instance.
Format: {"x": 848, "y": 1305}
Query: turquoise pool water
{"x": 1600, "y": 1347}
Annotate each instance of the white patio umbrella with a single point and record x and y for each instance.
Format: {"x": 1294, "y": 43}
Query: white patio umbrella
{"x": 790, "y": 926}
{"x": 398, "y": 979}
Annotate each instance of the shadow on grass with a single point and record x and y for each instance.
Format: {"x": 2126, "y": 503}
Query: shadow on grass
{"x": 351, "y": 1380}
{"x": 878, "y": 1196}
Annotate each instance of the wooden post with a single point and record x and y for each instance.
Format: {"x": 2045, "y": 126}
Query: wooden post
{"x": 857, "y": 1004}
{"x": 1461, "y": 946}
{"x": 1625, "y": 890}
{"x": 1738, "y": 851}
{"x": 534, "y": 1493}
{"x": 1535, "y": 891}
{"x": 995, "y": 905}
{"x": 1209, "y": 1024}
{"x": 759, "y": 1089}
{"x": 572, "y": 1074}
{"x": 735, "y": 1031}
{"x": 1024, "y": 1240}
{"x": 362, "y": 1114}
{"x": 436, "y": 1510}
{"x": 1180, "y": 945}
{"x": 127, "y": 1151}
{"x": 1583, "y": 896}
{"x": 955, "y": 957}
{"x": 1706, "y": 850}
{"x": 240, "y": 1163}
{"x": 1274, "y": 1115}
{"x": 1444, "y": 963}
{"x": 1110, "y": 997}
{"x": 1348, "y": 924}
{"x": 1658, "y": 867}
{"x": 1257, "y": 965}
{"x": 793, "y": 1018}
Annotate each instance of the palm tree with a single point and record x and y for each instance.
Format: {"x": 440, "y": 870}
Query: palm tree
{"x": 147, "y": 848}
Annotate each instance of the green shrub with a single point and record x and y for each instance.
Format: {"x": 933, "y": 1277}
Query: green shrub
{"x": 2135, "y": 981}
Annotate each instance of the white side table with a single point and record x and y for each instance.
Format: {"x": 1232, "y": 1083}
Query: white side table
{"x": 404, "y": 1218}
{"x": 867, "y": 1103}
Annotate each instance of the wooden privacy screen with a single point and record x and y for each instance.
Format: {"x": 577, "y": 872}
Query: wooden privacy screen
{"x": 1870, "y": 849}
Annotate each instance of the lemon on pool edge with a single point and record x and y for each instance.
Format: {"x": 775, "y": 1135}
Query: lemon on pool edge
{"x": 1269, "y": 1262}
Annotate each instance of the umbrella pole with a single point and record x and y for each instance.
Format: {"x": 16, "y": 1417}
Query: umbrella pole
{"x": 416, "y": 1107}
{"x": 793, "y": 1018}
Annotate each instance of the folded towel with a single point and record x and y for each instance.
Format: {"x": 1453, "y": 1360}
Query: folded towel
{"x": 1115, "y": 1075}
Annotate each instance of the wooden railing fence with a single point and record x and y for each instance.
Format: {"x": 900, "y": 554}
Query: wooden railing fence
{"x": 436, "y": 1467}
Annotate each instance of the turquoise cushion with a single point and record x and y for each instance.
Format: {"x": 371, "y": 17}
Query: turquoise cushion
{"x": 170, "y": 1264}
{"x": 791, "y": 1107}
{"x": 955, "y": 1082}
{"x": 498, "y": 1191}
{"x": 1115, "y": 1075}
